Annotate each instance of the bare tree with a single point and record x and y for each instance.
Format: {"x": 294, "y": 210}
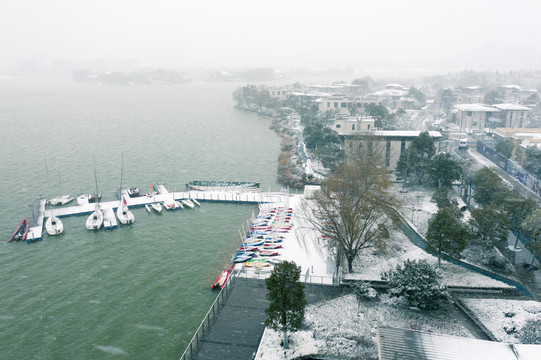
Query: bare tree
{"x": 352, "y": 208}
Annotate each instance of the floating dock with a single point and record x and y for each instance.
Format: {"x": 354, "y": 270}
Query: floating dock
{"x": 39, "y": 213}
{"x": 35, "y": 230}
{"x": 167, "y": 197}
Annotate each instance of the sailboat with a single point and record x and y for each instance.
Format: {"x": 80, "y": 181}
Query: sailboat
{"x": 122, "y": 212}
{"x": 95, "y": 220}
{"x": 53, "y": 225}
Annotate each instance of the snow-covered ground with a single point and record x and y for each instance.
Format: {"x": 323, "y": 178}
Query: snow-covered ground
{"x": 343, "y": 329}
{"x": 504, "y": 318}
{"x": 338, "y": 328}
{"x": 302, "y": 244}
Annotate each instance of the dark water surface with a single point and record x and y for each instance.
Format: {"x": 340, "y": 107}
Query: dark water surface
{"x": 138, "y": 291}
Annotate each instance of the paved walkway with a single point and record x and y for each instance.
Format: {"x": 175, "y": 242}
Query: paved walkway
{"x": 240, "y": 324}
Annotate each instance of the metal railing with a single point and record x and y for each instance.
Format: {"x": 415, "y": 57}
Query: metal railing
{"x": 308, "y": 279}
{"x": 208, "y": 321}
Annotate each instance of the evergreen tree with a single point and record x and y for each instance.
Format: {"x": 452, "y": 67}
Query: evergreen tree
{"x": 413, "y": 162}
{"x": 518, "y": 208}
{"x": 418, "y": 283}
{"x": 532, "y": 160}
{"x": 489, "y": 187}
{"x": 287, "y": 299}
{"x": 443, "y": 169}
{"x": 489, "y": 226}
{"x": 446, "y": 235}
{"x": 532, "y": 227}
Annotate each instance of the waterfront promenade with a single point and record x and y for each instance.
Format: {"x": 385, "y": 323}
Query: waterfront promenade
{"x": 239, "y": 326}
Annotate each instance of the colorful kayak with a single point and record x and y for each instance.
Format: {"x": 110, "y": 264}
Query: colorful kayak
{"x": 269, "y": 253}
{"x": 21, "y": 231}
{"x": 221, "y": 280}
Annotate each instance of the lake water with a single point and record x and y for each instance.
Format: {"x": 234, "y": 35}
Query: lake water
{"x": 138, "y": 291}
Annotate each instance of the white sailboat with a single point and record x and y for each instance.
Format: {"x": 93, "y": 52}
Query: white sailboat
{"x": 123, "y": 213}
{"x": 95, "y": 220}
{"x": 53, "y": 225}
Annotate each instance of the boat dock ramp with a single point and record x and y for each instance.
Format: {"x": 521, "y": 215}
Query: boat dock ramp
{"x": 36, "y": 223}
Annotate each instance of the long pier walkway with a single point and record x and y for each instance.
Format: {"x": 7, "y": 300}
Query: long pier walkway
{"x": 168, "y": 197}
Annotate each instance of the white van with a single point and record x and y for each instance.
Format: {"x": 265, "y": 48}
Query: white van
{"x": 463, "y": 143}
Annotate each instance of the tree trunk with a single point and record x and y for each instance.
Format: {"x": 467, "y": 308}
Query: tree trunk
{"x": 350, "y": 263}
{"x": 286, "y": 342}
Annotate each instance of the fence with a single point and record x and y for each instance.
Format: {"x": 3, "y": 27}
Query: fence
{"x": 308, "y": 279}
{"x": 513, "y": 169}
{"x": 207, "y": 322}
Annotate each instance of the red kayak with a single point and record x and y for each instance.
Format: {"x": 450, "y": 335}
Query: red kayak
{"x": 221, "y": 280}
{"x": 21, "y": 231}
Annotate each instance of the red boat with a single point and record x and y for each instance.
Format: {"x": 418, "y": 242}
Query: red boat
{"x": 248, "y": 248}
{"x": 269, "y": 246}
{"x": 268, "y": 253}
{"x": 21, "y": 231}
{"x": 221, "y": 280}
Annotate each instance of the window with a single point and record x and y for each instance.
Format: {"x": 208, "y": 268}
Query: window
{"x": 328, "y": 104}
{"x": 343, "y": 105}
{"x": 353, "y": 127}
{"x": 278, "y": 93}
{"x": 368, "y": 128}
{"x": 469, "y": 113}
{"x": 402, "y": 146}
{"x": 338, "y": 126}
{"x": 335, "y": 105}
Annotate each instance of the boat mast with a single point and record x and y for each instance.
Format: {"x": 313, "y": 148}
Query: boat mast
{"x": 121, "y": 174}
{"x": 96, "y": 179}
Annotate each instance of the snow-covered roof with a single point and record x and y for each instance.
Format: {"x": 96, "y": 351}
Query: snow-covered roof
{"x": 389, "y": 92}
{"x": 476, "y": 107}
{"x": 405, "y": 133}
{"x": 511, "y": 107}
{"x": 410, "y": 344}
{"x": 510, "y": 87}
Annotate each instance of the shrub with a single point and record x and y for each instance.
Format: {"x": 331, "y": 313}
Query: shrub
{"x": 530, "y": 332}
{"x": 418, "y": 283}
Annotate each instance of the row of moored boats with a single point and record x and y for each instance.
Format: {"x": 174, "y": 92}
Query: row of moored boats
{"x": 100, "y": 217}
{"x": 260, "y": 248}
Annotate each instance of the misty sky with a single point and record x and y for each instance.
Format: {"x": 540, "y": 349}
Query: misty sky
{"x": 430, "y": 34}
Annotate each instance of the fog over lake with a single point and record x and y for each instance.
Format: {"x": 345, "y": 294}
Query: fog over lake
{"x": 422, "y": 34}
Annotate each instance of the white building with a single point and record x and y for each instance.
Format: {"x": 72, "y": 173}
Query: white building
{"x": 352, "y": 125}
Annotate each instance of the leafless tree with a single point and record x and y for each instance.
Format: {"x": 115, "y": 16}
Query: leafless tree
{"x": 352, "y": 209}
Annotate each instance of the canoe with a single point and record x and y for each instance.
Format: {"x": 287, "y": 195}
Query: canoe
{"x": 268, "y": 253}
{"x": 221, "y": 280}
{"x": 241, "y": 258}
{"x": 20, "y": 232}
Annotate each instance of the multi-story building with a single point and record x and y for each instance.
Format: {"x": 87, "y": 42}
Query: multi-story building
{"x": 385, "y": 147}
{"x": 480, "y": 116}
{"x": 351, "y": 125}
